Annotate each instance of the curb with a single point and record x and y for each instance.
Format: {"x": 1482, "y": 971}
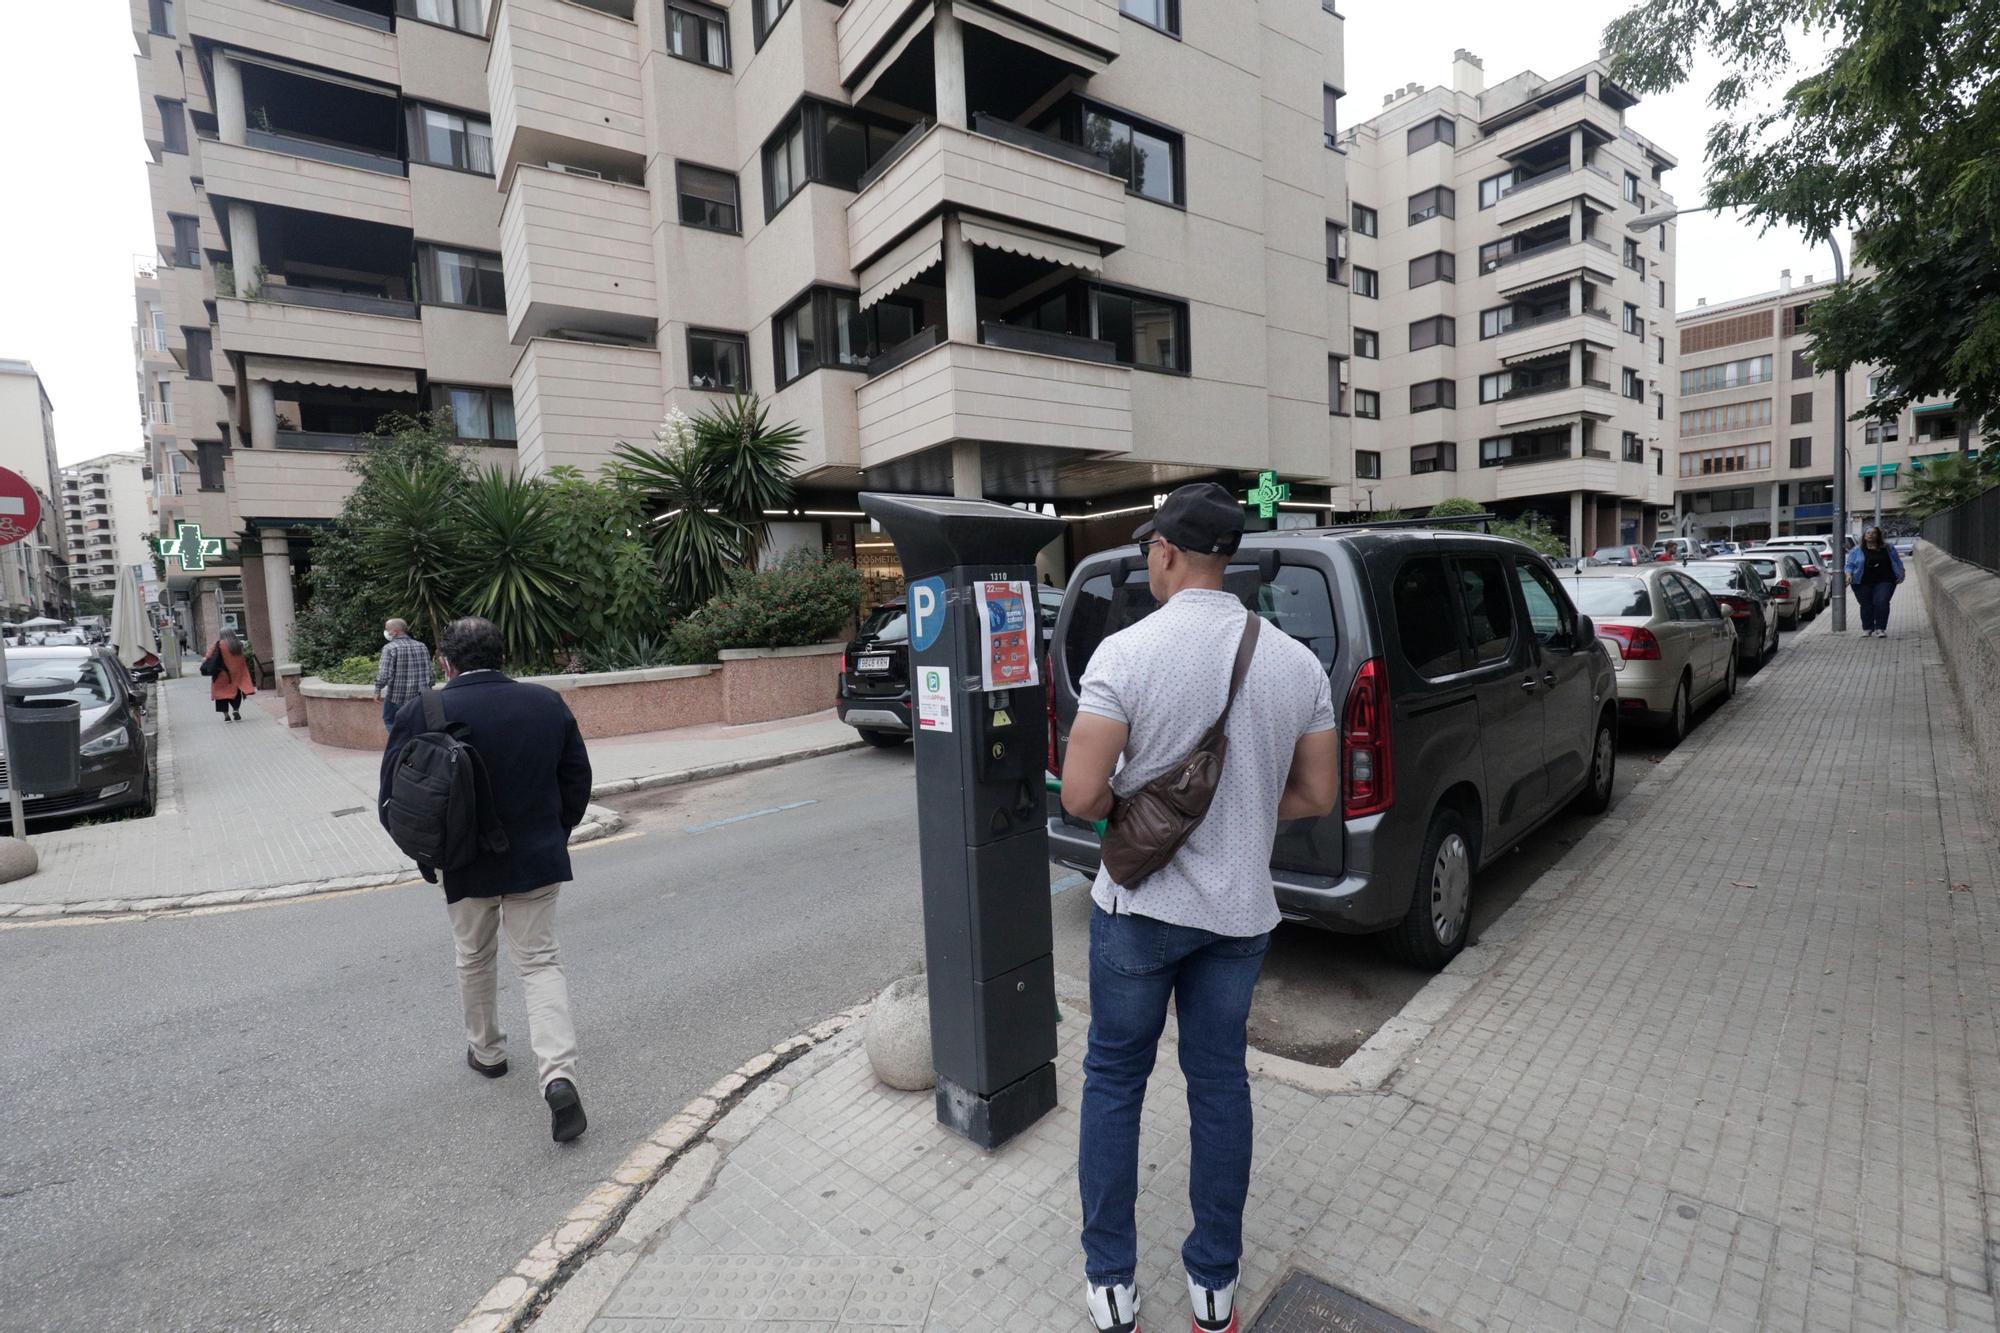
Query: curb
{"x": 728, "y": 768}
{"x": 514, "y": 1301}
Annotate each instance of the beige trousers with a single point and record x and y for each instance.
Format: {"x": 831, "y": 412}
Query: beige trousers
{"x": 529, "y": 920}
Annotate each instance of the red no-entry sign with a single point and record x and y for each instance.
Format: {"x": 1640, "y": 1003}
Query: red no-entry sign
{"x": 20, "y": 507}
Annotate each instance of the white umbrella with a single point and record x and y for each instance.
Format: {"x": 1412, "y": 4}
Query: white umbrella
{"x": 129, "y": 636}
{"x": 39, "y": 622}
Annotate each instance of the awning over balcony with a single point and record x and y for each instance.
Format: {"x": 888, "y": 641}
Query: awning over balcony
{"x": 1549, "y": 423}
{"x": 903, "y": 261}
{"x": 1560, "y": 209}
{"x": 1034, "y": 244}
{"x": 1083, "y": 58}
{"x": 1514, "y": 285}
{"x": 330, "y": 374}
{"x": 1885, "y": 470}
{"x": 1541, "y": 354}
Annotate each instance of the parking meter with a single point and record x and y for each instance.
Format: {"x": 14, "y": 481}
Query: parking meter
{"x": 976, "y": 703}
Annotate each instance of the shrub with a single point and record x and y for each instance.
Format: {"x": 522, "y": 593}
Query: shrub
{"x": 808, "y": 598}
{"x": 1534, "y": 531}
{"x": 350, "y": 671}
{"x": 1456, "y": 506}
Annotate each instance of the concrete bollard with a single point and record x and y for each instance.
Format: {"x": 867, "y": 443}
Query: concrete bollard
{"x": 897, "y": 1035}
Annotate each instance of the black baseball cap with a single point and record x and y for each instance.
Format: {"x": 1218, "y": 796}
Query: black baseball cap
{"x": 1200, "y": 517}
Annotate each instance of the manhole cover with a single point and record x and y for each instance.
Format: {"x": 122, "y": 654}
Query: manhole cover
{"x": 1304, "y": 1304}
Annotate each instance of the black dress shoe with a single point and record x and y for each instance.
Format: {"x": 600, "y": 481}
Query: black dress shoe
{"x": 494, "y": 1070}
{"x": 565, "y": 1110}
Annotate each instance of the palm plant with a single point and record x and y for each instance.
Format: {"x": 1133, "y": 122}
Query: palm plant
{"x": 754, "y": 463}
{"x": 1943, "y": 482}
{"x": 410, "y": 544}
{"x": 509, "y": 570}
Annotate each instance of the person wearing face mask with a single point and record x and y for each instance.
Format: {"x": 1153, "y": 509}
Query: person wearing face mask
{"x": 404, "y": 671}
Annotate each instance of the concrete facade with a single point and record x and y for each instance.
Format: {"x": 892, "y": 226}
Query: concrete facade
{"x": 107, "y": 517}
{"x": 34, "y": 571}
{"x": 1766, "y": 467}
{"x": 1505, "y": 281}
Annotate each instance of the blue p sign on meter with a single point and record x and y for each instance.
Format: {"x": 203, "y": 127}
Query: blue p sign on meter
{"x": 926, "y": 612}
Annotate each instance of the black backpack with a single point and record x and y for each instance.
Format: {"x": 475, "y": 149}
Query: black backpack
{"x": 440, "y": 806}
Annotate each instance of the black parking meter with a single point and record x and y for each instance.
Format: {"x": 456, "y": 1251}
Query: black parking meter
{"x": 977, "y": 710}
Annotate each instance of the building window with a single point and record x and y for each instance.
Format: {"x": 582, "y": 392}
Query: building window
{"x": 1162, "y": 14}
{"x": 1147, "y": 331}
{"x": 1802, "y": 451}
{"x": 1801, "y": 363}
{"x": 1496, "y": 321}
{"x": 1727, "y": 375}
{"x": 1632, "y": 258}
{"x": 442, "y": 138}
{"x": 708, "y": 198}
{"x": 1336, "y": 385}
{"x": 1719, "y": 462}
{"x": 1365, "y": 223}
{"x": 1660, "y": 348}
{"x": 1631, "y": 188}
{"x": 1367, "y": 404}
{"x": 1875, "y": 383}
{"x": 1431, "y": 394}
{"x": 826, "y": 327}
{"x": 160, "y": 18}
{"x": 1736, "y": 416}
{"x": 1439, "y": 129}
{"x": 1795, "y": 318}
{"x": 1435, "y": 331}
{"x": 718, "y": 361}
{"x": 1660, "y": 406}
{"x": 1801, "y": 408}
{"x": 477, "y": 413}
{"x": 1663, "y": 294}
{"x": 1494, "y": 188}
{"x": 1426, "y": 269}
{"x": 764, "y": 16}
{"x": 1634, "y": 447}
{"x": 187, "y": 240}
{"x": 821, "y": 142}
{"x": 1879, "y": 431}
{"x": 173, "y": 125}
{"x": 1441, "y": 457}
{"x": 209, "y": 456}
{"x": 1336, "y": 252}
{"x": 469, "y": 278}
{"x": 1366, "y": 282}
{"x": 465, "y": 15}
{"x": 200, "y": 354}
{"x": 1367, "y": 344}
{"x": 1438, "y": 201}
{"x": 1367, "y": 465}
{"x": 698, "y": 33}
{"x": 1633, "y": 323}
{"x": 1815, "y": 492}
{"x": 1147, "y": 157}
{"x": 1632, "y": 386}
{"x": 1329, "y": 115}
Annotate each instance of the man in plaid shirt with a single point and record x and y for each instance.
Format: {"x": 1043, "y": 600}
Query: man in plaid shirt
{"x": 405, "y": 670}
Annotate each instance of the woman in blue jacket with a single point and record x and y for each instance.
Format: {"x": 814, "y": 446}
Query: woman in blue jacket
{"x": 1873, "y": 571}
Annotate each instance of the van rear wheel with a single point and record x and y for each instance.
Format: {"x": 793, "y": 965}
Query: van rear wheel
{"x": 1434, "y": 929}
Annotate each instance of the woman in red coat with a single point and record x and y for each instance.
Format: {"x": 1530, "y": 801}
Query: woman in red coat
{"x": 232, "y": 682}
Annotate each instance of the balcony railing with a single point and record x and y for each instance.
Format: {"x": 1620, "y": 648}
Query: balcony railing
{"x": 1069, "y": 345}
{"x": 1536, "y": 321}
{"x": 353, "y": 302}
{"x": 1522, "y": 460}
{"x": 1530, "y": 390}
{"x": 1602, "y": 245}
{"x": 320, "y": 150}
{"x": 909, "y": 349}
{"x": 1590, "y": 383}
{"x": 1590, "y": 452}
{"x": 1492, "y": 265}
{"x": 993, "y": 127}
{"x": 321, "y": 441}
{"x": 333, "y": 9}
{"x": 1536, "y": 179}
{"x": 896, "y": 150}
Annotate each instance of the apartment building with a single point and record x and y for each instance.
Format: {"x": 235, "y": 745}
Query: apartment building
{"x": 1510, "y": 334}
{"x": 1058, "y": 252}
{"x": 1756, "y": 426}
{"x": 34, "y": 572}
{"x": 107, "y": 518}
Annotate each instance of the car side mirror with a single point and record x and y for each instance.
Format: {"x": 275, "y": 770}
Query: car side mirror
{"x": 1586, "y": 632}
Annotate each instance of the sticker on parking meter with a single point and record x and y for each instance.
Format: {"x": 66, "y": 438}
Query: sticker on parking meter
{"x": 1006, "y": 636}
{"x": 926, "y": 601}
{"x": 933, "y": 698}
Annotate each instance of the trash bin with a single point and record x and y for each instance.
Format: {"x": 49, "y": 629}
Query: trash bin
{"x": 42, "y": 737}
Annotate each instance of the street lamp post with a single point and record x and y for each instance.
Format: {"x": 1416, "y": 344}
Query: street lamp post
{"x": 1645, "y": 222}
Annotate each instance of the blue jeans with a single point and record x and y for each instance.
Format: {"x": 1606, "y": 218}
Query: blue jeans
{"x": 1136, "y": 963}
{"x": 389, "y": 711}
{"x": 1874, "y": 598}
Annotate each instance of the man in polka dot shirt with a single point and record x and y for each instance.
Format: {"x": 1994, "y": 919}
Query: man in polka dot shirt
{"x": 1197, "y": 929}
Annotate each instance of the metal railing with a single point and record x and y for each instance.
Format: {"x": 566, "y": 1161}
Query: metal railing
{"x": 1536, "y": 321}
{"x": 1530, "y": 390}
{"x": 993, "y": 127}
{"x": 896, "y": 150}
{"x": 1069, "y": 345}
{"x": 321, "y": 441}
{"x": 1529, "y": 253}
{"x": 322, "y": 151}
{"x": 909, "y": 349}
{"x": 1969, "y": 530}
{"x": 1529, "y": 182}
{"x": 1524, "y": 460}
{"x": 333, "y": 9}
{"x": 353, "y": 302}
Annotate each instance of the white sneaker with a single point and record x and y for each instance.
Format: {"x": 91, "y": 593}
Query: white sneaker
{"x": 1113, "y": 1309}
{"x": 1214, "y": 1310}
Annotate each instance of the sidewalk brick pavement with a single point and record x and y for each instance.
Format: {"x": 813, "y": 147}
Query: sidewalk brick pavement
{"x": 1728, "y": 1066}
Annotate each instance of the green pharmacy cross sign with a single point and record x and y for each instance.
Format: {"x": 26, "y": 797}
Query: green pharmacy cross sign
{"x": 188, "y": 546}
{"x": 1267, "y": 494}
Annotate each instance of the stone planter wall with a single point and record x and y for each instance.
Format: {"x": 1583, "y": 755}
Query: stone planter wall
{"x": 759, "y": 684}
{"x": 289, "y": 676}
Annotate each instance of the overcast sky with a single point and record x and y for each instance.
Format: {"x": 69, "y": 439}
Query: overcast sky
{"x": 68, "y": 87}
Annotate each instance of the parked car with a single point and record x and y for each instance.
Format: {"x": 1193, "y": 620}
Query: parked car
{"x": 1621, "y": 555}
{"x": 1906, "y": 545}
{"x": 1475, "y": 703}
{"x": 1744, "y": 596}
{"x": 874, "y": 691}
{"x": 1792, "y": 588}
{"x": 1723, "y": 548}
{"x": 1672, "y": 648}
{"x": 1817, "y": 562}
{"x": 117, "y": 764}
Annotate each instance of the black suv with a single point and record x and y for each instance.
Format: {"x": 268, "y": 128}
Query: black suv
{"x": 874, "y": 695}
{"x": 1474, "y": 703}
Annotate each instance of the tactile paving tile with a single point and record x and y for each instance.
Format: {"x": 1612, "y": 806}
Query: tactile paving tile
{"x": 890, "y": 1293}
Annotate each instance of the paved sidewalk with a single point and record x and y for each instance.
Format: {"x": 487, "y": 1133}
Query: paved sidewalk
{"x": 1728, "y": 1066}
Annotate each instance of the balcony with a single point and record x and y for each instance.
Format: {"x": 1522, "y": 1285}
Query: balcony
{"x": 325, "y": 33}
{"x": 949, "y": 168}
{"x": 1555, "y": 184}
{"x": 310, "y": 332}
{"x": 574, "y": 401}
{"x": 578, "y": 254}
{"x": 867, "y": 29}
{"x": 1551, "y": 263}
{"x": 1004, "y": 395}
{"x": 562, "y": 76}
{"x": 1522, "y": 407}
{"x": 308, "y": 181}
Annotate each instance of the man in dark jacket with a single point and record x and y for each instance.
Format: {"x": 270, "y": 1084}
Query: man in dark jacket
{"x": 540, "y": 776}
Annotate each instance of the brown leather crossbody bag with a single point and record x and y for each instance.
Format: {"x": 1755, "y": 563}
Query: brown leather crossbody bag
{"x": 1149, "y": 826}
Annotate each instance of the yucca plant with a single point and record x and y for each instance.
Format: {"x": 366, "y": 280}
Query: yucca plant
{"x": 509, "y": 570}
{"x": 411, "y": 545}
{"x": 1943, "y": 482}
{"x": 754, "y": 462}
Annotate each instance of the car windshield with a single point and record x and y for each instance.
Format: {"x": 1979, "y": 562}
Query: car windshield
{"x": 887, "y": 624}
{"x": 89, "y": 684}
{"x": 1717, "y": 578}
{"x": 1611, "y": 597}
{"x": 1609, "y": 553}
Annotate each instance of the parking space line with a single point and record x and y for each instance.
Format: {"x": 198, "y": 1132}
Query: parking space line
{"x": 1069, "y": 881}
{"x": 754, "y": 814}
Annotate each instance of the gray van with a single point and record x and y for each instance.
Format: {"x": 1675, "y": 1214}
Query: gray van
{"x": 1474, "y": 703}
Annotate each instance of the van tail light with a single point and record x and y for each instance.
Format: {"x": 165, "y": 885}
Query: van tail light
{"x": 1782, "y": 588}
{"x": 1738, "y": 607}
{"x": 1368, "y": 777}
{"x": 1635, "y": 642}
{"x": 1052, "y": 764}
